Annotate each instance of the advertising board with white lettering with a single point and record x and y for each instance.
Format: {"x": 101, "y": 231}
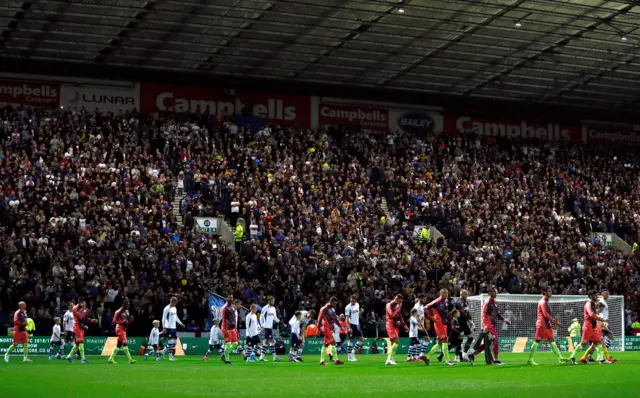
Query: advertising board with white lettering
{"x": 380, "y": 119}
{"x": 104, "y": 98}
{"x": 29, "y": 93}
{"x": 597, "y": 133}
{"x": 273, "y": 108}
{"x": 513, "y": 129}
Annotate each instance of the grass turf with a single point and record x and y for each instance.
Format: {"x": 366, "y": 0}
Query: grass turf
{"x": 191, "y": 377}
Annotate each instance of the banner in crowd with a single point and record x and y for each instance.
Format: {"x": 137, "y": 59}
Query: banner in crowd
{"x": 29, "y": 93}
{"x": 379, "y": 119}
{"x": 216, "y": 302}
{"x": 598, "y": 133}
{"x": 273, "y": 108}
{"x": 104, "y": 98}
{"x": 513, "y": 129}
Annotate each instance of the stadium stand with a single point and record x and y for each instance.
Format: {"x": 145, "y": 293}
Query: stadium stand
{"x": 86, "y": 208}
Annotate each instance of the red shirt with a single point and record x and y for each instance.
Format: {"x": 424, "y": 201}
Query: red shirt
{"x": 490, "y": 313}
{"x": 544, "y": 314}
{"x": 590, "y": 317}
{"x": 327, "y": 317}
{"x": 393, "y": 314}
{"x": 20, "y": 321}
{"x": 121, "y": 318}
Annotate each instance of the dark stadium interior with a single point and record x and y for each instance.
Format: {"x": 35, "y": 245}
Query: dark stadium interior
{"x": 520, "y": 151}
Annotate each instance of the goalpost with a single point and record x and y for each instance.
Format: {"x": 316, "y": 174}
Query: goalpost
{"x": 521, "y": 310}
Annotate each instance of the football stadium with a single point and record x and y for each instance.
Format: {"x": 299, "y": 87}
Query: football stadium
{"x": 329, "y": 198}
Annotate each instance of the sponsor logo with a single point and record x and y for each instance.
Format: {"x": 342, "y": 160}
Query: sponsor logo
{"x": 550, "y": 131}
{"x": 28, "y": 93}
{"x": 273, "y": 109}
{"x": 416, "y": 122}
{"x": 610, "y": 135}
{"x": 76, "y": 97}
{"x": 369, "y": 117}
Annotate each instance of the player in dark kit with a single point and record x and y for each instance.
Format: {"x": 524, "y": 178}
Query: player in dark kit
{"x": 488, "y": 337}
{"x": 465, "y": 323}
{"x": 327, "y": 320}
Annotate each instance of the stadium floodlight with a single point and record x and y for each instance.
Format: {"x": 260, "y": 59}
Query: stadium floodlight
{"x": 521, "y": 310}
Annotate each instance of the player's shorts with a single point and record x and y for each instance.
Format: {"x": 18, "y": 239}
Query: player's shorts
{"x": 344, "y": 337}
{"x": 268, "y": 334}
{"x": 492, "y": 331}
{"x": 20, "y": 338}
{"x": 231, "y": 336}
{"x": 414, "y": 340}
{"x": 56, "y": 343}
{"x": 441, "y": 330}
{"x": 392, "y": 332}
{"x": 69, "y": 336}
{"x": 171, "y": 334}
{"x": 356, "y": 332}
{"x": 79, "y": 336}
{"x": 328, "y": 336}
{"x": 466, "y": 330}
{"x": 253, "y": 341}
{"x": 122, "y": 336}
{"x": 295, "y": 341}
{"x": 544, "y": 334}
{"x": 591, "y": 336}
{"x": 422, "y": 334}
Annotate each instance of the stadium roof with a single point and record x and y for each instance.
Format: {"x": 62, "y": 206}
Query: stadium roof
{"x": 556, "y": 52}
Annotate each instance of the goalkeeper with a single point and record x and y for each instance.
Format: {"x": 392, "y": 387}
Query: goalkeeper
{"x": 574, "y": 332}
{"x": 466, "y": 324}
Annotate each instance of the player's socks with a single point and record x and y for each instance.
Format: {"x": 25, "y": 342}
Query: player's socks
{"x": 534, "y": 348}
{"x": 577, "y": 350}
{"x": 227, "y": 351}
{"x": 25, "y": 347}
{"x": 587, "y": 353}
{"x": 605, "y": 351}
{"x": 423, "y": 348}
{"x": 350, "y": 348}
{"x": 73, "y": 351}
{"x": 556, "y": 351}
{"x": 357, "y": 348}
{"x": 323, "y": 351}
{"x": 434, "y": 349}
{"x": 445, "y": 351}
{"x": 334, "y": 352}
{"x": 127, "y": 353}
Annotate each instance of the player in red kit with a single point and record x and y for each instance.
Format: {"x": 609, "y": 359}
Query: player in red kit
{"x": 229, "y": 328}
{"x": 122, "y": 319}
{"x": 327, "y": 320}
{"x": 590, "y": 332}
{"x": 489, "y": 334}
{"x": 438, "y": 312}
{"x": 80, "y": 321}
{"x": 394, "y": 321}
{"x": 20, "y": 335}
{"x": 544, "y": 332}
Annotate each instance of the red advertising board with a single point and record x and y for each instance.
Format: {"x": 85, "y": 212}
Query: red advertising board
{"x": 513, "y": 129}
{"x": 594, "y": 133}
{"x": 28, "y": 93}
{"x": 376, "y": 119}
{"x": 272, "y": 107}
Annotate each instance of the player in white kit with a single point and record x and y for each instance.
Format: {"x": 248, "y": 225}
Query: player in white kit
{"x": 56, "y": 340}
{"x": 605, "y": 315}
{"x": 352, "y": 311}
{"x": 295, "y": 351}
{"x": 268, "y": 318}
{"x": 154, "y": 341}
{"x": 170, "y": 321}
{"x": 305, "y": 318}
{"x": 421, "y": 349}
{"x": 216, "y": 339}
{"x": 254, "y": 345}
{"x": 67, "y": 326}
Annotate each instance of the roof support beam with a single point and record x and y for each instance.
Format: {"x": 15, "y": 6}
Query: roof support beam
{"x": 52, "y": 21}
{"x": 13, "y": 25}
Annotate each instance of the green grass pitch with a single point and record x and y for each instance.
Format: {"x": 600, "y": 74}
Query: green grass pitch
{"x": 191, "y": 377}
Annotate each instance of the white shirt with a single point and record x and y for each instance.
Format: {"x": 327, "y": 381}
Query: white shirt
{"x": 353, "y": 312}
{"x": 295, "y": 326}
{"x": 605, "y": 311}
{"x": 215, "y": 335}
{"x": 154, "y": 337}
{"x": 413, "y": 326}
{"x": 268, "y": 316}
{"x": 55, "y": 336}
{"x": 420, "y": 307}
{"x": 252, "y": 325}
{"x": 67, "y": 318}
{"x": 170, "y": 317}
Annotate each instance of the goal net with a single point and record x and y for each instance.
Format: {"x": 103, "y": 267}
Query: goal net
{"x": 522, "y": 311}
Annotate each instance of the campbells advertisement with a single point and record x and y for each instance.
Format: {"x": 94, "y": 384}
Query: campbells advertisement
{"x": 377, "y": 117}
{"x": 595, "y": 133}
{"x": 104, "y": 98}
{"x": 512, "y": 129}
{"x": 23, "y": 93}
{"x": 273, "y": 108}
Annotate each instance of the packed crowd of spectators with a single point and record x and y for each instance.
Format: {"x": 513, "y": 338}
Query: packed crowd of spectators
{"x": 86, "y": 208}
